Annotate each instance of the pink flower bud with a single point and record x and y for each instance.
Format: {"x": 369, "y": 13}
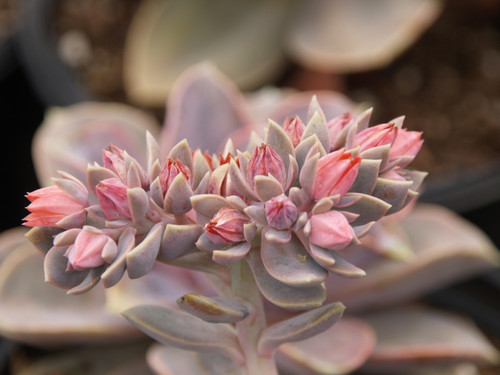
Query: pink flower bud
{"x": 227, "y": 226}
{"x": 170, "y": 171}
{"x": 281, "y": 213}
{"x": 114, "y": 159}
{"x": 265, "y": 161}
{"x": 294, "y": 128}
{"x": 87, "y": 250}
{"x": 331, "y": 230}
{"x": 335, "y": 126}
{"x": 407, "y": 143}
{"x": 379, "y": 135}
{"x": 336, "y": 173}
{"x": 112, "y": 195}
{"x": 49, "y": 205}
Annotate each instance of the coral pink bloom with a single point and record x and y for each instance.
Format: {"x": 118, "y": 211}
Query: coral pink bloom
{"x": 294, "y": 128}
{"x": 87, "y": 250}
{"x": 336, "y": 125}
{"x": 407, "y": 143}
{"x": 170, "y": 171}
{"x": 379, "y": 135}
{"x": 227, "y": 226}
{"x": 335, "y": 174}
{"x": 49, "y": 205}
{"x": 281, "y": 213}
{"x": 265, "y": 161}
{"x": 331, "y": 230}
{"x": 112, "y": 195}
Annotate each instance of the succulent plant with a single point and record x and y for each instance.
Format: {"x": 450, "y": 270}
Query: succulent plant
{"x": 255, "y": 221}
{"x": 251, "y": 42}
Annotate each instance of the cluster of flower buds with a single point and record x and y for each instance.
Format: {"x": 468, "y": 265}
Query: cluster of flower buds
{"x": 288, "y": 205}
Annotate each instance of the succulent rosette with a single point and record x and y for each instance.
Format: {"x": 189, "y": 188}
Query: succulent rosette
{"x": 288, "y": 204}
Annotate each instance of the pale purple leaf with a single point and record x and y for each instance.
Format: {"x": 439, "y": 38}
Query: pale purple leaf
{"x": 182, "y": 330}
{"x": 290, "y": 263}
{"x": 299, "y": 327}
{"x": 283, "y": 295}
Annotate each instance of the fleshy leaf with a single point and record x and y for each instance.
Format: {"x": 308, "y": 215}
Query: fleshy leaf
{"x": 55, "y": 265}
{"x": 353, "y": 340}
{"x": 280, "y": 143}
{"x": 42, "y": 237}
{"x": 317, "y": 38}
{"x": 207, "y": 205}
{"x": 367, "y": 207}
{"x": 300, "y": 327}
{"x": 92, "y": 279}
{"x": 141, "y": 258}
{"x": 239, "y": 182}
{"x": 257, "y": 214}
{"x": 304, "y": 147}
{"x": 77, "y": 320}
{"x": 440, "y": 240}
{"x": 216, "y": 309}
{"x": 169, "y": 360}
{"x": 232, "y": 254}
{"x": 392, "y": 192}
{"x": 159, "y": 47}
{"x": 179, "y": 240}
{"x": 200, "y": 87}
{"x": 366, "y": 178}
{"x": 72, "y": 136}
{"x": 182, "y": 152}
{"x": 278, "y": 236}
{"x": 410, "y": 335}
{"x": 180, "y": 329}
{"x": 281, "y": 294}
{"x": 115, "y": 271}
{"x": 178, "y": 197}
{"x": 267, "y": 187}
{"x": 138, "y": 202}
{"x": 317, "y": 125}
{"x": 290, "y": 263}
{"x": 308, "y": 171}
{"x": 96, "y": 173}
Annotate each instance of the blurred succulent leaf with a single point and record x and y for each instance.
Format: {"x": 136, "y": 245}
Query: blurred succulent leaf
{"x": 446, "y": 249}
{"x": 70, "y": 137}
{"x": 410, "y": 335}
{"x": 182, "y": 330}
{"x": 243, "y": 39}
{"x": 300, "y": 327}
{"x": 170, "y": 360}
{"x": 345, "y": 37}
{"x": 77, "y": 319}
{"x": 353, "y": 340}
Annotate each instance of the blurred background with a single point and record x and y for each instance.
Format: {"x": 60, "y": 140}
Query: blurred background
{"x": 436, "y": 62}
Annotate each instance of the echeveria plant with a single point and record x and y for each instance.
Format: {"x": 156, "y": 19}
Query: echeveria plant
{"x": 271, "y": 220}
{"x": 224, "y": 301}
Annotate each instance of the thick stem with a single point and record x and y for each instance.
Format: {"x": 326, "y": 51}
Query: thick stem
{"x": 244, "y": 286}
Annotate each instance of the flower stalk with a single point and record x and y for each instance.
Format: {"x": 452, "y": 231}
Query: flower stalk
{"x": 243, "y": 285}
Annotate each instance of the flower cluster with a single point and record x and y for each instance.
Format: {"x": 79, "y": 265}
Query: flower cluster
{"x": 288, "y": 205}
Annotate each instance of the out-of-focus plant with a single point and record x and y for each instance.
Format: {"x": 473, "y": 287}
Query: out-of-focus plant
{"x": 251, "y": 41}
{"x": 245, "y": 218}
